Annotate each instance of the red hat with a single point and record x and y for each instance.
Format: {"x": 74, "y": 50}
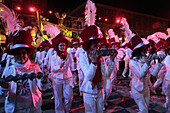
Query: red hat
{"x": 21, "y": 39}
{"x": 74, "y": 41}
{"x": 136, "y": 42}
{"x": 60, "y": 38}
{"x": 160, "y": 45}
{"x": 88, "y": 35}
{"x": 44, "y": 44}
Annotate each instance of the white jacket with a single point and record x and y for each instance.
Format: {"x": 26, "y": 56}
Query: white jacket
{"x": 139, "y": 72}
{"x": 89, "y": 71}
{"x": 167, "y": 65}
{"x": 35, "y": 85}
{"x": 64, "y": 72}
{"x": 47, "y": 59}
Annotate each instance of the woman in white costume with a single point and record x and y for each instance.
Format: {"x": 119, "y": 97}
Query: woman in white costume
{"x": 60, "y": 67}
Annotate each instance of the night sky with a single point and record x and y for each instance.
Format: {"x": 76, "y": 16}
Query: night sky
{"x": 160, "y": 8}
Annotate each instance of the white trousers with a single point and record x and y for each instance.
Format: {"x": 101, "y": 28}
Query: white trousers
{"x": 167, "y": 94}
{"x": 107, "y": 88}
{"x": 62, "y": 89}
{"x": 93, "y": 103}
{"x": 28, "y": 110}
{"x": 141, "y": 99}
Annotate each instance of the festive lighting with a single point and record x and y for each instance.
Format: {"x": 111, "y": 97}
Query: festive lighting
{"x": 18, "y": 8}
{"x": 118, "y": 20}
{"x": 100, "y": 18}
{"x": 105, "y": 19}
{"x": 32, "y": 9}
{"x": 50, "y": 12}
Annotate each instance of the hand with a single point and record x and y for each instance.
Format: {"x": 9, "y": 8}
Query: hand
{"x": 148, "y": 60}
{"x": 113, "y": 56}
{"x": 93, "y": 56}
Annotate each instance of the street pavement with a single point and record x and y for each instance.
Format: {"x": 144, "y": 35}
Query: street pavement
{"x": 118, "y": 102}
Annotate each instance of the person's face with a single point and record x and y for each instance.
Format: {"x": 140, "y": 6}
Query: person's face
{"x": 94, "y": 45}
{"x": 75, "y": 46}
{"x": 62, "y": 47}
{"x": 46, "y": 48}
{"x": 114, "y": 46}
{"x": 21, "y": 56}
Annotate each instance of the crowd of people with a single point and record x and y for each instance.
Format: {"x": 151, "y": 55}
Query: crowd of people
{"x": 81, "y": 64}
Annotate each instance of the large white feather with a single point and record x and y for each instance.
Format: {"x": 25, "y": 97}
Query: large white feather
{"x": 90, "y": 13}
{"x": 112, "y": 35}
{"x": 27, "y": 28}
{"x": 51, "y": 29}
{"x": 127, "y": 32}
{"x": 161, "y": 35}
{"x": 10, "y": 18}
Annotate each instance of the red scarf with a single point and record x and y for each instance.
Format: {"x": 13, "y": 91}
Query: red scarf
{"x": 62, "y": 55}
{"x": 97, "y": 80}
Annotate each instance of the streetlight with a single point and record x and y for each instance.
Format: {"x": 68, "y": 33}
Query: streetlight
{"x": 105, "y": 19}
{"x": 32, "y": 9}
{"x": 18, "y": 8}
{"x": 50, "y": 12}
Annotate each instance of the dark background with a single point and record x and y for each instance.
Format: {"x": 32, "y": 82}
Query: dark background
{"x": 159, "y": 8}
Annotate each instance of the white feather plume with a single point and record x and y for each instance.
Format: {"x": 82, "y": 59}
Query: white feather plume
{"x": 90, "y": 13}
{"x": 127, "y": 32}
{"x": 10, "y": 18}
{"x": 112, "y": 35}
{"x": 161, "y": 35}
{"x": 27, "y": 28}
{"x": 157, "y": 36}
{"x": 153, "y": 38}
{"x": 51, "y": 29}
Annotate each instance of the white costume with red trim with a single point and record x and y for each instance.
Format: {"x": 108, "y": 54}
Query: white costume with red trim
{"x": 23, "y": 96}
{"x": 139, "y": 88}
{"x": 62, "y": 83}
{"x": 93, "y": 97}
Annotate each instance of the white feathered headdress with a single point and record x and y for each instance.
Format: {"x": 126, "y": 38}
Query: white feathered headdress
{"x": 10, "y": 18}
{"x": 127, "y": 32}
{"x": 90, "y": 13}
{"x": 157, "y": 36}
{"x": 112, "y": 35}
{"x": 51, "y": 30}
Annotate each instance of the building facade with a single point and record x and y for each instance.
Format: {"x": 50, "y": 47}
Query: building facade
{"x": 143, "y": 24}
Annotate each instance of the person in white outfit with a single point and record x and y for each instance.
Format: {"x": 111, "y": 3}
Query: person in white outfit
{"x": 23, "y": 95}
{"x": 139, "y": 66}
{"x": 93, "y": 68}
{"x": 78, "y": 53}
{"x": 72, "y": 52}
{"x": 166, "y": 88}
{"x": 60, "y": 67}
